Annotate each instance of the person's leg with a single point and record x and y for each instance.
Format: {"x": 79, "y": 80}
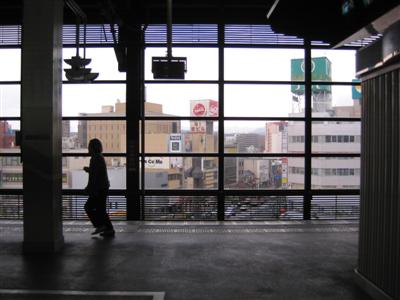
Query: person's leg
{"x": 90, "y": 209}
{"x": 103, "y": 216}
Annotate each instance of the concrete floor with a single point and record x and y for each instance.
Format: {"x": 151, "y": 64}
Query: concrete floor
{"x": 246, "y": 261}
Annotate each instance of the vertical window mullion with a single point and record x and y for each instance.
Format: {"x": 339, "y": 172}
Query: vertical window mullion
{"x": 308, "y": 131}
{"x": 221, "y": 123}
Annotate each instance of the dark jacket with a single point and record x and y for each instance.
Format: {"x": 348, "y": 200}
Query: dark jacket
{"x": 98, "y": 178}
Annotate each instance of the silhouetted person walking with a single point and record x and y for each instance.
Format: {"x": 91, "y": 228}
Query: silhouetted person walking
{"x": 97, "y": 188}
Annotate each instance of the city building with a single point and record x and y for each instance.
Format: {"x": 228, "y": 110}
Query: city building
{"x": 7, "y": 135}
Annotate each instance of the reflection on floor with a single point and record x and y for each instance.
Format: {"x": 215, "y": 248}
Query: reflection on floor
{"x": 190, "y": 260}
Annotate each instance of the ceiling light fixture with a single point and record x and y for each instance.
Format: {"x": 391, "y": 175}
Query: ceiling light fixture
{"x": 78, "y": 73}
{"x": 169, "y": 67}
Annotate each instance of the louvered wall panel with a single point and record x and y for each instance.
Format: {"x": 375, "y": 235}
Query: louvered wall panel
{"x": 73, "y": 207}
{"x": 10, "y": 35}
{"x": 379, "y": 247}
{"x": 257, "y": 35}
{"x": 196, "y": 34}
{"x": 183, "y": 34}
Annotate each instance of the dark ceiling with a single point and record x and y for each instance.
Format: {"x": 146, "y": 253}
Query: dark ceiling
{"x": 313, "y": 19}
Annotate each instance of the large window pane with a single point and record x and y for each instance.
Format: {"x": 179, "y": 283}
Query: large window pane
{"x": 260, "y": 64}
{"x": 77, "y": 134}
{"x": 336, "y": 137}
{"x": 333, "y": 65}
{"x": 336, "y": 101}
{"x": 103, "y": 62}
{"x": 295, "y": 137}
{"x": 7, "y": 136}
{"x": 244, "y": 136}
{"x": 10, "y": 100}
{"x": 264, "y": 136}
{"x": 74, "y": 177}
{"x": 259, "y": 173}
{"x": 202, "y": 63}
{"x": 296, "y": 172}
{"x": 181, "y": 172}
{"x": 251, "y": 100}
{"x": 10, "y": 62}
{"x": 93, "y": 99}
{"x": 200, "y": 100}
{"x": 335, "y": 173}
{"x": 10, "y": 172}
{"x": 181, "y": 136}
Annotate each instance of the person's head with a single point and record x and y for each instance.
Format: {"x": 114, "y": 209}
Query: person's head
{"x": 95, "y": 146}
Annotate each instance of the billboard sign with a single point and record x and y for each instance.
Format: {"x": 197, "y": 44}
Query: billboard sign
{"x": 175, "y": 142}
{"x": 156, "y": 163}
{"x": 202, "y": 108}
{"x": 356, "y": 90}
{"x": 320, "y": 71}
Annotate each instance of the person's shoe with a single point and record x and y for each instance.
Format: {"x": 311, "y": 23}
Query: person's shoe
{"x": 108, "y": 233}
{"x": 99, "y": 229}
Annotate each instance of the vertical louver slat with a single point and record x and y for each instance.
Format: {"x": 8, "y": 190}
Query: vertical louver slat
{"x": 379, "y": 246}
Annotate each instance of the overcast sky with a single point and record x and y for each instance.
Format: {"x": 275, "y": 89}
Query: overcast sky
{"x": 240, "y": 64}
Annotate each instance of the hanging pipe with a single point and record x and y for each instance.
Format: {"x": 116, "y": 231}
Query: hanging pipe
{"x": 169, "y": 29}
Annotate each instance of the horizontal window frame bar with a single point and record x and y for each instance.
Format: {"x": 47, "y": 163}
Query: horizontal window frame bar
{"x": 10, "y": 118}
{"x": 300, "y": 119}
{"x": 321, "y": 155}
{"x": 249, "y": 82}
{"x": 189, "y": 118}
{"x": 184, "y": 118}
{"x": 336, "y": 119}
{"x": 94, "y": 118}
{"x": 288, "y": 82}
{"x": 184, "y": 154}
{"x": 12, "y": 46}
{"x": 227, "y": 192}
{"x": 203, "y": 81}
{"x": 333, "y": 192}
{"x": 182, "y": 45}
{"x": 81, "y": 192}
{"x": 10, "y": 82}
{"x": 216, "y": 154}
{"x": 180, "y": 81}
{"x": 277, "y": 155}
{"x": 116, "y": 81}
{"x": 86, "y": 154}
{"x": 10, "y": 154}
{"x": 208, "y": 154}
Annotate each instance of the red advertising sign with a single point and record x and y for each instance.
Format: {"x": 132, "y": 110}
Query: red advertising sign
{"x": 213, "y": 108}
{"x": 199, "y": 110}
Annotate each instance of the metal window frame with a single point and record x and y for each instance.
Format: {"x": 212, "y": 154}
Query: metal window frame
{"x": 220, "y": 192}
